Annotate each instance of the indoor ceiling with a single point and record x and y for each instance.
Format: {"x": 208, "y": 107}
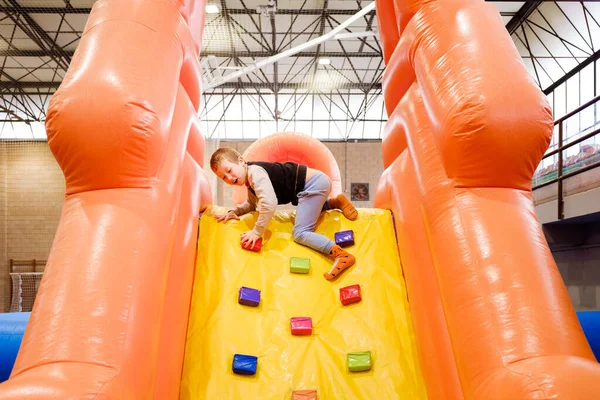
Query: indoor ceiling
{"x": 342, "y": 77}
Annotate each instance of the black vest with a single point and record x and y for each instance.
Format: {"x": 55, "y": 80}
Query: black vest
{"x": 287, "y": 178}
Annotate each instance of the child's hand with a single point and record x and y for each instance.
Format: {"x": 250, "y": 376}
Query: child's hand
{"x": 227, "y": 217}
{"x": 249, "y": 238}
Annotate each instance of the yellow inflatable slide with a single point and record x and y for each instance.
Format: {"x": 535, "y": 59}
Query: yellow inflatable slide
{"x": 219, "y": 327}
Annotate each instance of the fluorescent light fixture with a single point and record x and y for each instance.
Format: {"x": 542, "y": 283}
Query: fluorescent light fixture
{"x": 324, "y": 61}
{"x": 212, "y": 9}
{"x": 353, "y": 35}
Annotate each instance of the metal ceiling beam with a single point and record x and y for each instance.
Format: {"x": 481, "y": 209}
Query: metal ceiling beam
{"x": 290, "y": 92}
{"x": 87, "y": 10}
{"x": 38, "y": 35}
{"x": 28, "y": 85}
{"x": 573, "y": 72}
{"x": 317, "y": 12}
{"x": 275, "y": 68}
{"x": 368, "y": 29}
{"x": 253, "y": 54}
{"x": 301, "y": 85}
{"x": 49, "y": 10}
{"x": 4, "y": 86}
{"x": 324, "y": 17}
{"x": 17, "y": 117}
{"x": 524, "y": 12}
{"x": 234, "y": 11}
{"x": 16, "y": 91}
{"x": 280, "y": 11}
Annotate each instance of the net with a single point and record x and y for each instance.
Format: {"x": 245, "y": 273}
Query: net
{"x": 25, "y": 286}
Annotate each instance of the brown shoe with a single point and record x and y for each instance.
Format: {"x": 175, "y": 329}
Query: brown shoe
{"x": 342, "y": 261}
{"x": 342, "y": 203}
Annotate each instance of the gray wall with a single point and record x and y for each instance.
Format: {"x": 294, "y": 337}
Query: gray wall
{"x": 575, "y": 246}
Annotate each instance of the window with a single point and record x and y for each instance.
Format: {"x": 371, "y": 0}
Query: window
{"x": 560, "y": 101}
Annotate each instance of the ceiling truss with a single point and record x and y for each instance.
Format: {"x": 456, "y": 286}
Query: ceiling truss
{"x": 37, "y": 43}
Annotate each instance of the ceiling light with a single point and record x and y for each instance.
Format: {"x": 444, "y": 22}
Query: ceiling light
{"x": 353, "y": 35}
{"x": 212, "y": 9}
{"x": 324, "y": 61}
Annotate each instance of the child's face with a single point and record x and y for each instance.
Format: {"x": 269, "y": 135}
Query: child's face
{"x": 232, "y": 173}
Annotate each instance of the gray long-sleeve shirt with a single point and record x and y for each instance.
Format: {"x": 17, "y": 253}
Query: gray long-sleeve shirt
{"x": 265, "y": 200}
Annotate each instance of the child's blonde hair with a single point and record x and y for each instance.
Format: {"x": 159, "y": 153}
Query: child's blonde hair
{"x": 222, "y": 154}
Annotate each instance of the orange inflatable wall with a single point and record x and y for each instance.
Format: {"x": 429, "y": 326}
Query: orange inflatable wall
{"x": 467, "y": 127}
{"x": 294, "y": 147}
{"x": 111, "y": 315}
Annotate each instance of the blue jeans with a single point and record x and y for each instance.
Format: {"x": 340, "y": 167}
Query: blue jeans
{"x": 311, "y": 202}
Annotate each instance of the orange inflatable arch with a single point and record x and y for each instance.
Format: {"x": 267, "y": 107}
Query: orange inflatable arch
{"x": 294, "y": 147}
{"x": 467, "y": 128}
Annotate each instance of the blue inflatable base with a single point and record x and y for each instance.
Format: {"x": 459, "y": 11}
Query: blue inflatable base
{"x": 12, "y": 328}
{"x": 590, "y": 322}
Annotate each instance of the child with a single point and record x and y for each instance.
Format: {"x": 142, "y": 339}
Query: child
{"x": 270, "y": 184}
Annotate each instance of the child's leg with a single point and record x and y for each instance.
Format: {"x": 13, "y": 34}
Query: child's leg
{"x": 341, "y": 202}
{"x": 310, "y": 203}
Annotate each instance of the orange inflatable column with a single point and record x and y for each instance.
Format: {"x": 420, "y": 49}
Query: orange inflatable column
{"x": 182, "y": 265}
{"x": 399, "y": 190}
{"x": 406, "y": 9}
{"x": 393, "y": 141}
{"x": 383, "y": 193}
{"x": 179, "y": 286}
{"x": 388, "y": 26}
{"x": 398, "y": 77}
{"x": 118, "y": 127}
{"x": 205, "y": 191}
{"x": 512, "y": 327}
{"x": 193, "y": 11}
{"x": 196, "y": 143}
{"x": 196, "y": 150}
{"x": 433, "y": 339}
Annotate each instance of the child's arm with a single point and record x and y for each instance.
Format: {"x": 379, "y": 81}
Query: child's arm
{"x": 267, "y": 200}
{"x": 248, "y": 206}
